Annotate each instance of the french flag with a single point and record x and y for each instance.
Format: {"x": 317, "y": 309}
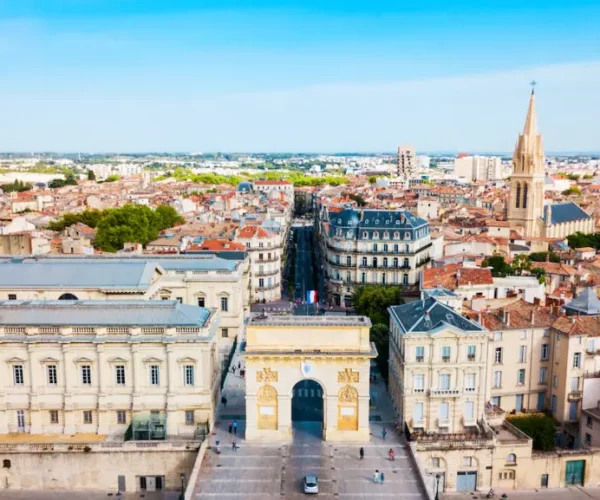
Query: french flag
{"x": 311, "y": 296}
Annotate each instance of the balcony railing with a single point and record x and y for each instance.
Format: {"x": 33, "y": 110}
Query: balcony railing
{"x": 443, "y": 422}
{"x": 267, "y": 287}
{"x": 418, "y": 423}
{"x": 420, "y": 359}
{"x": 441, "y": 393}
{"x": 575, "y": 395}
{"x": 268, "y": 273}
{"x": 471, "y": 357}
{"x": 418, "y": 391}
{"x": 380, "y": 251}
{"x": 272, "y": 259}
{"x": 446, "y": 359}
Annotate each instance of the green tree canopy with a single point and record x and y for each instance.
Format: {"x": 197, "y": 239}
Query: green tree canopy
{"x": 373, "y": 301}
{"x": 112, "y": 178}
{"x": 132, "y": 223}
{"x": 91, "y": 175}
{"x": 572, "y": 191}
{"x": 520, "y": 264}
{"x": 500, "y": 268}
{"x": 542, "y": 256}
{"x": 581, "y": 240}
{"x": 538, "y": 427}
{"x": 379, "y": 335}
{"x": 16, "y": 186}
{"x": 69, "y": 180}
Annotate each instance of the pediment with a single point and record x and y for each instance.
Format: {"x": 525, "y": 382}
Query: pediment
{"x": 186, "y": 360}
{"x": 118, "y": 359}
{"x": 152, "y": 359}
{"x": 83, "y": 359}
{"x": 49, "y": 359}
{"x": 16, "y": 360}
{"x": 445, "y": 330}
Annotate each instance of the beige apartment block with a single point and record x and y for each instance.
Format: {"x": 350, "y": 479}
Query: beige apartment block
{"x": 201, "y": 280}
{"x": 69, "y": 367}
{"x": 519, "y": 356}
{"x": 334, "y": 352}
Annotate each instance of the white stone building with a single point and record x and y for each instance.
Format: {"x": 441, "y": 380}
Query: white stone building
{"x": 72, "y": 367}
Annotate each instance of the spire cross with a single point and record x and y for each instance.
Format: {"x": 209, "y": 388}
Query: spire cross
{"x": 533, "y": 83}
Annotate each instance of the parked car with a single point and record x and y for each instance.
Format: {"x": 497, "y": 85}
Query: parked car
{"x": 311, "y": 485}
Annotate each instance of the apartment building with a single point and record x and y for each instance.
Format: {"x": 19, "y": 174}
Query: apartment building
{"x": 406, "y": 162}
{"x": 265, "y": 249}
{"x": 200, "y": 280}
{"x": 94, "y": 366}
{"x": 385, "y": 247}
{"x": 453, "y": 381}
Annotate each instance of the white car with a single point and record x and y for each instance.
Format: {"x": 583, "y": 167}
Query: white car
{"x": 311, "y": 485}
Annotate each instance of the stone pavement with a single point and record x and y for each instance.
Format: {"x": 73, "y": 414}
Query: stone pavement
{"x": 83, "y": 495}
{"x": 263, "y": 471}
{"x": 572, "y": 493}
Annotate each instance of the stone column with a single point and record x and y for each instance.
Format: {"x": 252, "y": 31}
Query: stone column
{"x": 330, "y": 404}
{"x": 284, "y": 417}
{"x": 251, "y": 420}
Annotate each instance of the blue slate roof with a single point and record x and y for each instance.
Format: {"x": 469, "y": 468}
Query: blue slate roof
{"x": 412, "y": 317}
{"x": 565, "y": 212}
{"x": 376, "y": 219}
{"x": 439, "y": 292}
{"x": 587, "y": 303}
{"x": 120, "y": 275}
{"x": 102, "y": 312}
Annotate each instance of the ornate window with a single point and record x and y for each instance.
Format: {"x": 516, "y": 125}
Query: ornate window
{"x": 525, "y": 192}
{"x": 518, "y": 201}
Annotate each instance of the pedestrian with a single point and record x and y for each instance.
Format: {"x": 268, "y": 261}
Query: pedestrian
{"x": 381, "y": 478}
{"x": 391, "y": 454}
{"x": 230, "y": 427}
{"x": 224, "y": 401}
{"x": 239, "y": 365}
{"x": 243, "y": 372}
{"x": 376, "y": 476}
{"x": 235, "y": 427}
{"x": 234, "y": 445}
{"x": 383, "y": 433}
{"x": 233, "y": 369}
{"x": 361, "y": 452}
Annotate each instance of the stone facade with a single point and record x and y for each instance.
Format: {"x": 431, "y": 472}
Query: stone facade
{"x": 91, "y": 367}
{"x": 335, "y": 352}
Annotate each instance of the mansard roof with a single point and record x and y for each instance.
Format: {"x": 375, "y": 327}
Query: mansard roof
{"x": 427, "y": 316}
{"x": 587, "y": 303}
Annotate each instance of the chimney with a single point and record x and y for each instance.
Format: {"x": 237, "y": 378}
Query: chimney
{"x": 573, "y": 319}
{"x": 532, "y": 317}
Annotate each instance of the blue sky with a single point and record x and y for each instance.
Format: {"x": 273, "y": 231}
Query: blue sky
{"x": 175, "y": 75}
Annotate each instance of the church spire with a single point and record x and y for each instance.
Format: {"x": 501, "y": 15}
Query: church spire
{"x": 530, "y": 129}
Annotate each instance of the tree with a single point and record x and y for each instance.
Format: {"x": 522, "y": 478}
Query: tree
{"x": 133, "y": 223}
{"x": 542, "y": 256}
{"x": 91, "y": 175}
{"x": 16, "y": 186}
{"x": 540, "y": 274}
{"x": 539, "y": 427}
{"x": 500, "y": 268}
{"x": 112, "y": 178}
{"x": 69, "y": 180}
{"x": 520, "y": 264}
{"x": 379, "y": 335}
{"x": 581, "y": 240}
{"x": 374, "y": 300}
{"x": 360, "y": 201}
{"x": 572, "y": 190}
{"x": 372, "y": 179}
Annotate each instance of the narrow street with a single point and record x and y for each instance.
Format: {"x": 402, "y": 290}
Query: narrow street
{"x": 305, "y": 270}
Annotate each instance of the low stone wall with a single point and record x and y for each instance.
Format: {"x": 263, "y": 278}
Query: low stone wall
{"x": 193, "y": 477}
{"x": 94, "y": 466}
{"x": 425, "y": 479}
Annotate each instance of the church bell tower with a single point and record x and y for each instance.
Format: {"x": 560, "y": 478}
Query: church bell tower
{"x": 526, "y": 199}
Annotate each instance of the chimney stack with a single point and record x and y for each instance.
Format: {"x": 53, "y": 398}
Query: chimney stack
{"x": 532, "y": 317}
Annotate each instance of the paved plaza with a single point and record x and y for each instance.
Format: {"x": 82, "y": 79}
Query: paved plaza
{"x": 571, "y": 493}
{"x": 262, "y": 471}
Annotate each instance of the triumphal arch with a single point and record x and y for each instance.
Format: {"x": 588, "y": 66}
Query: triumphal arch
{"x": 332, "y": 353}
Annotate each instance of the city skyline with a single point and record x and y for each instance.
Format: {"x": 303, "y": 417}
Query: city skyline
{"x": 290, "y": 76}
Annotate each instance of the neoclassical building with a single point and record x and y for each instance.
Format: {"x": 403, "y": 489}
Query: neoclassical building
{"x": 367, "y": 246}
{"x": 526, "y": 208}
{"x": 332, "y": 355}
{"x": 80, "y": 366}
{"x": 200, "y": 280}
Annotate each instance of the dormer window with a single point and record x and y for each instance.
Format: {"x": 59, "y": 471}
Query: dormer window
{"x": 396, "y": 235}
{"x": 386, "y": 236}
{"x": 407, "y": 236}
{"x": 365, "y": 235}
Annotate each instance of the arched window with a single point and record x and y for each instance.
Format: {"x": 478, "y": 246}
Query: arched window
{"x": 68, "y": 296}
{"x": 525, "y": 192}
{"x": 396, "y": 235}
{"x": 511, "y": 459}
{"x": 518, "y": 201}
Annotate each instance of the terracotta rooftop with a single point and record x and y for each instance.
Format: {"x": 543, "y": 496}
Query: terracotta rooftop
{"x": 452, "y": 276}
{"x": 254, "y": 232}
{"x": 519, "y": 314}
{"x": 218, "y": 245}
{"x": 578, "y": 325}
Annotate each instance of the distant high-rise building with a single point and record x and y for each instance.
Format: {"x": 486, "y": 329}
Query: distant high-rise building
{"x": 406, "y": 162}
{"x": 477, "y": 168}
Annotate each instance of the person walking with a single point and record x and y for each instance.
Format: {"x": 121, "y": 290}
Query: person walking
{"x": 230, "y": 427}
{"x": 361, "y": 452}
{"x": 376, "y": 476}
{"x": 239, "y": 365}
{"x": 383, "y": 433}
{"x": 381, "y": 478}
{"x": 235, "y": 427}
{"x": 224, "y": 401}
{"x": 391, "y": 454}
{"x": 234, "y": 445}
{"x": 233, "y": 369}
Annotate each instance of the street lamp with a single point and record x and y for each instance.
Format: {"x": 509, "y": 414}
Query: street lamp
{"x": 437, "y": 486}
{"x": 182, "y": 477}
